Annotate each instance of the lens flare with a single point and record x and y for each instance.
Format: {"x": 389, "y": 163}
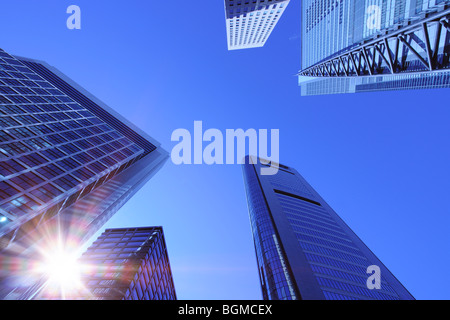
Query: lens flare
{"x": 63, "y": 270}
{"x": 44, "y": 264}
{"x": 62, "y": 273}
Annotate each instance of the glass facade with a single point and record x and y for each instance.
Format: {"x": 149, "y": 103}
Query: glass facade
{"x": 250, "y": 22}
{"x": 303, "y": 244}
{"x": 67, "y": 161}
{"x": 330, "y": 28}
{"x": 275, "y": 276}
{"x": 128, "y": 264}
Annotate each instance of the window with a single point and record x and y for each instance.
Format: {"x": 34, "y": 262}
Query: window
{"x": 46, "y": 193}
{"x": 67, "y": 182}
{"x": 10, "y": 167}
{"x": 27, "y": 180}
{"x": 14, "y": 148}
{"x": 33, "y": 160}
{"x": 53, "y": 154}
{"x": 51, "y": 171}
{"x": 6, "y": 190}
{"x": 68, "y": 164}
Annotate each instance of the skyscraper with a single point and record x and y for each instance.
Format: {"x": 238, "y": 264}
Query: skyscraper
{"x": 68, "y": 162}
{"x": 353, "y": 46}
{"x": 127, "y": 264}
{"x": 304, "y": 250}
{"x": 250, "y": 22}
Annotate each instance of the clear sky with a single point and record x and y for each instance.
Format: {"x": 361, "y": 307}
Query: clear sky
{"x": 381, "y": 160}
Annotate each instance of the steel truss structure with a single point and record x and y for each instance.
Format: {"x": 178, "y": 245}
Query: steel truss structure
{"x": 414, "y": 48}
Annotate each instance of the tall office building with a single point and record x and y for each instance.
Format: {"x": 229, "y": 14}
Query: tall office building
{"x": 353, "y": 46}
{"x": 303, "y": 249}
{"x": 125, "y": 264}
{"x": 67, "y": 163}
{"x": 250, "y": 22}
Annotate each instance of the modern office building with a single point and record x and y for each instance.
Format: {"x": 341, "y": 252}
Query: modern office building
{"x": 250, "y": 22}
{"x": 350, "y": 46}
{"x": 304, "y": 250}
{"x": 126, "y": 264}
{"x": 68, "y": 162}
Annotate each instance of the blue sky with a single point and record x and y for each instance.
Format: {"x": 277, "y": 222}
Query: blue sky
{"x": 379, "y": 159}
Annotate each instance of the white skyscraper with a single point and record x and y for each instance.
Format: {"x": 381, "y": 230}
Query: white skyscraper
{"x": 250, "y": 22}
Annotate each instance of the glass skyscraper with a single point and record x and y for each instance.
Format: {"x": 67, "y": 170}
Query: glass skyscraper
{"x": 353, "y": 46}
{"x": 250, "y": 22}
{"x": 304, "y": 250}
{"x": 127, "y": 264}
{"x": 68, "y": 162}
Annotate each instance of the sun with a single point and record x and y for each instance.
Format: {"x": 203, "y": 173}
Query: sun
{"x": 62, "y": 272}
{"x": 63, "y": 269}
